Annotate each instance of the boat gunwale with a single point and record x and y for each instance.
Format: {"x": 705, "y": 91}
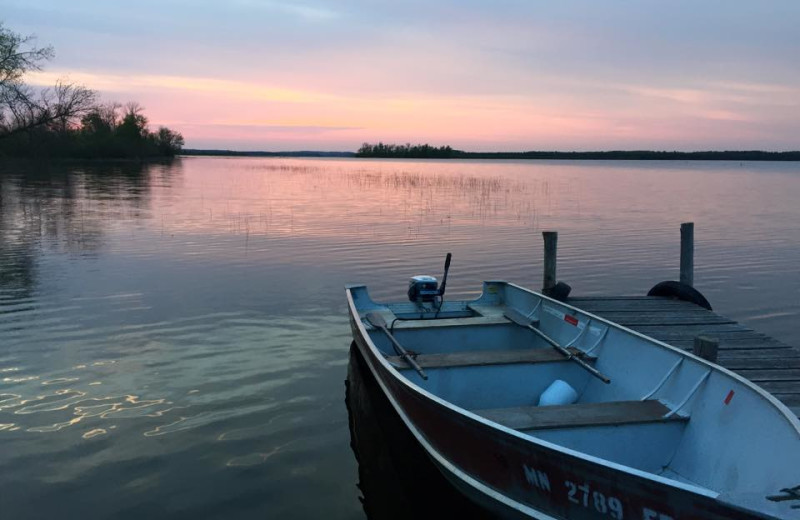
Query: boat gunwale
{"x": 698, "y": 490}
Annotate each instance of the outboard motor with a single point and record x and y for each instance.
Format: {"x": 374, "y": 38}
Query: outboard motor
{"x": 425, "y": 289}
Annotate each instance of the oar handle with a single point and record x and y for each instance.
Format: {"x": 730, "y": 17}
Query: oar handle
{"x": 596, "y": 373}
{"x": 444, "y": 278}
{"x": 404, "y": 353}
{"x": 553, "y": 343}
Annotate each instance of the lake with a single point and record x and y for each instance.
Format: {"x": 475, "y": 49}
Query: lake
{"x": 174, "y": 337}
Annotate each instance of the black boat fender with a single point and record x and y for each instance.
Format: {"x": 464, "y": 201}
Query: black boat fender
{"x": 559, "y": 291}
{"x": 679, "y": 291}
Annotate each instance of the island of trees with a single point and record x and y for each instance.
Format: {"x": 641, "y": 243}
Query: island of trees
{"x": 426, "y": 151}
{"x": 417, "y": 151}
{"x": 67, "y": 120}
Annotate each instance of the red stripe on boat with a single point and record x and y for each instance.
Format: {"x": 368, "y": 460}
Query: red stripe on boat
{"x": 572, "y": 320}
{"x": 730, "y": 396}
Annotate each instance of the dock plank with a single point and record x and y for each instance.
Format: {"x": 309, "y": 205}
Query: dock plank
{"x": 744, "y": 364}
{"x": 689, "y": 332}
{"x": 582, "y": 299}
{"x": 739, "y": 342}
{"x": 778, "y": 374}
{"x": 781, "y": 387}
{"x": 654, "y": 319}
{"x": 635, "y": 306}
{"x": 737, "y": 356}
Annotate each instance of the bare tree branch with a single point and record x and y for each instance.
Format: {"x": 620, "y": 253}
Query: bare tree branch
{"x": 22, "y": 107}
{"x": 15, "y": 60}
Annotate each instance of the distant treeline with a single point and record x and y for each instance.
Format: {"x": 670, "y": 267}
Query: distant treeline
{"x": 105, "y": 131}
{"x": 641, "y": 155}
{"x": 426, "y": 151}
{"x": 235, "y": 153}
{"x": 417, "y": 151}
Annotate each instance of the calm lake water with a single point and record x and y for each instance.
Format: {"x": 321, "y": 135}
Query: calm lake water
{"x": 174, "y": 338}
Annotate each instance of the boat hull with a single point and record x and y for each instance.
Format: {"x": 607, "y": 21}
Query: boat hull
{"x": 517, "y": 477}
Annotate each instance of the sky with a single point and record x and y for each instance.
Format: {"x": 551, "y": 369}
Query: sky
{"x": 477, "y": 75}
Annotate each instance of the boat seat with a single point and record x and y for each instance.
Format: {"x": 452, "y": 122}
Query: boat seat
{"x": 580, "y": 415}
{"x": 486, "y": 357}
{"x": 450, "y": 322}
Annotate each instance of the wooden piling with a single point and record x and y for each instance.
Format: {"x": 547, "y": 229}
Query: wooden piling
{"x": 687, "y": 253}
{"x": 706, "y": 347}
{"x": 550, "y": 255}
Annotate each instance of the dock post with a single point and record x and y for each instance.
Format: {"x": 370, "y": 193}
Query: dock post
{"x": 550, "y": 254}
{"x": 706, "y": 347}
{"x": 687, "y": 253}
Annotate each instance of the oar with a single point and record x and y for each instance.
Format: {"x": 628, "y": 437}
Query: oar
{"x": 377, "y": 321}
{"x": 520, "y": 319}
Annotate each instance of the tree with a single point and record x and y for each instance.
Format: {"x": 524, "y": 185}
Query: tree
{"x": 168, "y": 142}
{"x": 101, "y": 120}
{"x": 23, "y": 108}
{"x": 132, "y": 131}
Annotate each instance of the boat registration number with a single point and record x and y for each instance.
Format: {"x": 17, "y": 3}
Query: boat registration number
{"x": 584, "y": 495}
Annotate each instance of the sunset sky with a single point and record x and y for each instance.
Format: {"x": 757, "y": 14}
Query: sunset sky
{"x": 478, "y": 75}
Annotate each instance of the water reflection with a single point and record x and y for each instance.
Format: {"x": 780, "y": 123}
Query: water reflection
{"x": 67, "y": 208}
{"x": 396, "y": 478}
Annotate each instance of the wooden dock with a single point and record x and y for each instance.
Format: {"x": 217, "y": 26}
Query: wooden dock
{"x": 767, "y": 362}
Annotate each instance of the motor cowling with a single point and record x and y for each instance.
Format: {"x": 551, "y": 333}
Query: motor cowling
{"x": 423, "y": 289}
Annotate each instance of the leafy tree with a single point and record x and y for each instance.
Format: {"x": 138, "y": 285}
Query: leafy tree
{"x": 132, "y": 131}
{"x": 168, "y": 142}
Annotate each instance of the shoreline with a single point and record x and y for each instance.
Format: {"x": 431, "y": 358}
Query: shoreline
{"x": 742, "y": 156}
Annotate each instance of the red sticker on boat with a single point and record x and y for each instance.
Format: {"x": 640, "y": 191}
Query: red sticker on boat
{"x": 572, "y": 320}
{"x": 730, "y": 396}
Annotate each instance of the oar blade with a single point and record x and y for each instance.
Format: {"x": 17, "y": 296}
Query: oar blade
{"x": 376, "y": 320}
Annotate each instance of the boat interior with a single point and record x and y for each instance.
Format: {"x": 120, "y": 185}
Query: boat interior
{"x": 663, "y": 412}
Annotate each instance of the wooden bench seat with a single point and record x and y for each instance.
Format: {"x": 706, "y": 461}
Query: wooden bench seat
{"x": 450, "y": 322}
{"x": 486, "y": 357}
{"x": 580, "y": 415}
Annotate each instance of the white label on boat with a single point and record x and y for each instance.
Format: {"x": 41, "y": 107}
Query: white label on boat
{"x": 572, "y": 320}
